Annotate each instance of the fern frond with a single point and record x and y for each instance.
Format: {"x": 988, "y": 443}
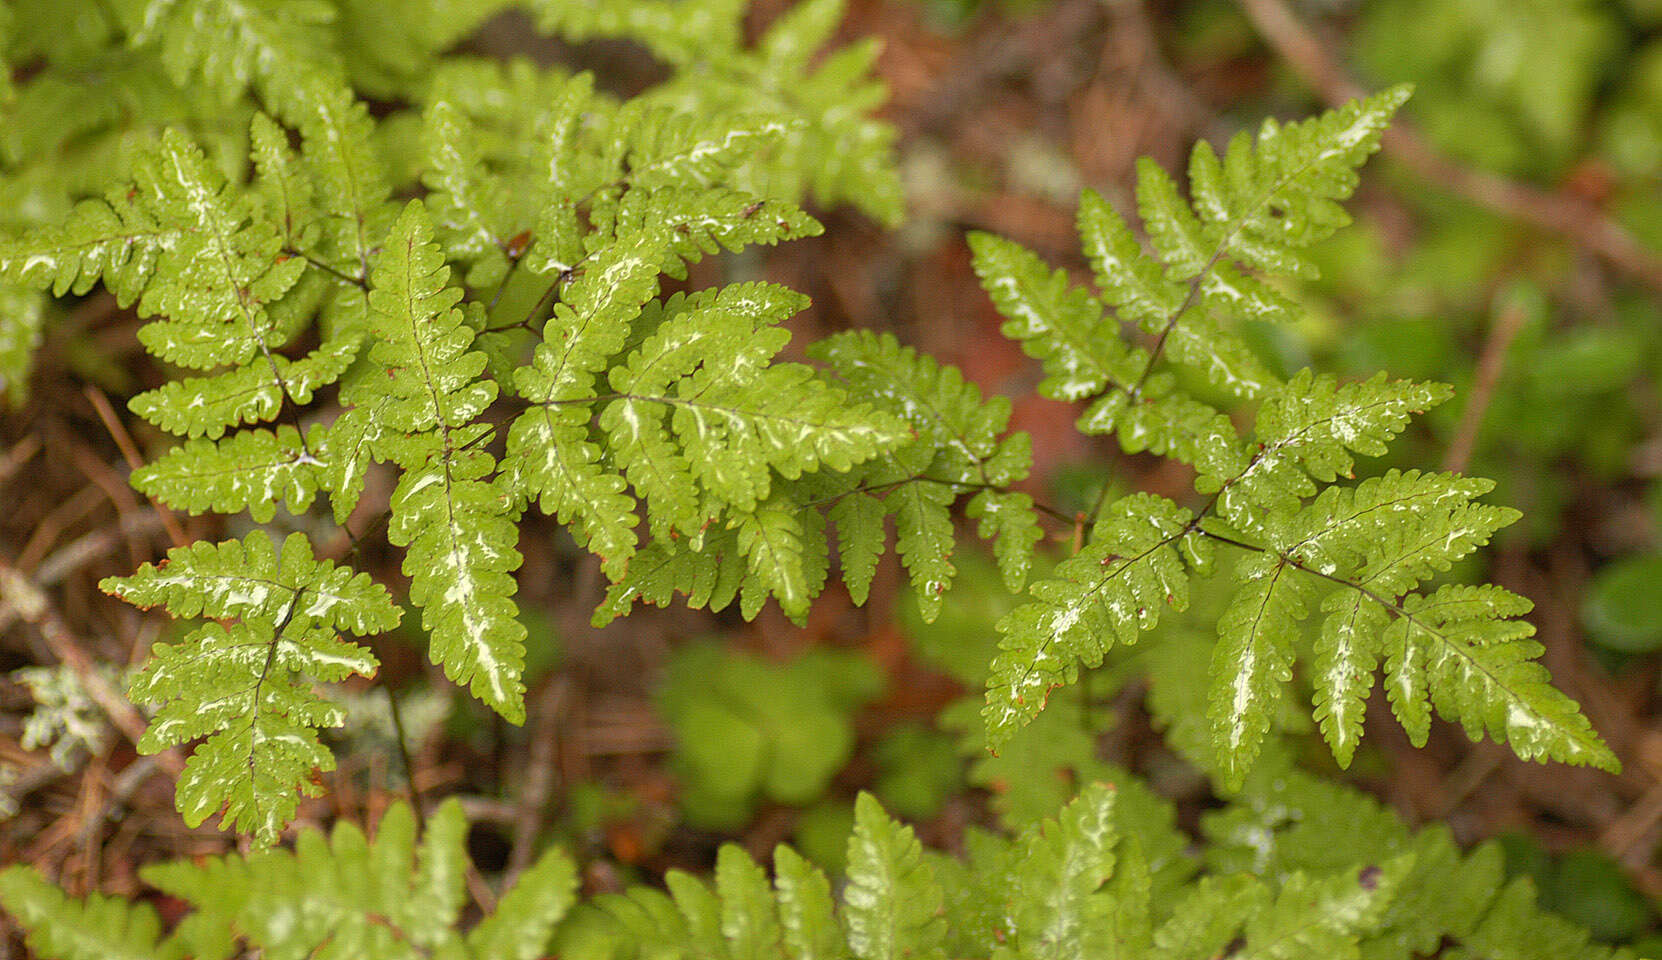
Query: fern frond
{"x": 1252, "y": 211}
{"x": 389, "y": 47}
{"x": 551, "y": 458}
{"x": 384, "y": 896}
{"x": 97, "y": 928}
{"x": 1109, "y": 593}
{"x": 1450, "y": 901}
{"x": 672, "y": 149}
{"x": 230, "y": 44}
{"x": 1326, "y": 916}
{"x": 1389, "y": 533}
{"x": 23, "y": 316}
{"x": 749, "y": 918}
{"x": 1357, "y": 550}
{"x": 1172, "y": 425}
{"x": 677, "y": 32}
{"x": 254, "y": 470}
{"x": 283, "y": 186}
{"x": 254, "y": 393}
{"x": 350, "y": 185}
{"x": 1007, "y": 519}
{"x": 112, "y": 240}
{"x": 957, "y": 447}
{"x": 525, "y": 916}
{"x": 834, "y": 149}
{"x": 1253, "y": 660}
{"x": 700, "y": 423}
{"x": 1461, "y": 650}
{"x": 1060, "y": 910}
{"x": 469, "y": 207}
{"x": 892, "y": 902}
{"x": 456, "y": 525}
{"x": 686, "y": 224}
{"x": 1308, "y": 429}
{"x": 709, "y": 576}
{"x": 806, "y": 917}
{"x": 246, "y": 687}
{"x": 1058, "y": 324}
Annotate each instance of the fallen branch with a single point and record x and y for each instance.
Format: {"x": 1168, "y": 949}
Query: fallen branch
{"x": 1579, "y": 220}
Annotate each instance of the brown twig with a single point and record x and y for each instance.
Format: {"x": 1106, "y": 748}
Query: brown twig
{"x": 129, "y": 452}
{"x": 539, "y": 774}
{"x": 975, "y": 73}
{"x": 34, "y": 606}
{"x": 1491, "y": 362}
{"x": 1572, "y": 217}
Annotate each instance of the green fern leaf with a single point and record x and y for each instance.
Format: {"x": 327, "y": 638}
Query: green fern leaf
{"x": 685, "y": 224}
{"x": 283, "y": 186}
{"x": 1209, "y": 917}
{"x": 892, "y": 902}
{"x": 1325, "y": 917}
{"x": 1172, "y": 425}
{"x": 1254, "y": 660}
{"x": 1129, "y": 281}
{"x": 97, "y": 928}
{"x": 245, "y": 686}
{"x": 232, "y": 45}
{"x": 1396, "y": 530}
{"x": 772, "y": 540}
{"x": 1346, "y": 654}
{"x": 702, "y": 913}
{"x": 924, "y": 539}
{"x": 675, "y": 32}
{"x": 1056, "y": 323}
{"x": 525, "y": 917}
{"x": 1309, "y": 428}
{"x": 374, "y": 897}
{"x": 709, "y": 576}
{"x": 349, "y": 179}
{"x": 1061, "y": 868}
{"x": 749, "y": 919}
{"x": 957, "y": 446}
{"x": 860, "y": 539}
{"x": 254, "y": 470}
{"x": 809, "y": 927}
{"x": 455, "y": 524}
{"x": 1516, "y": 927}
{"x": 23, "y": 317}
{"x": 551, "y": 458}
{"x": 671, "y": 149}
{"x": 348, "y": 446}
{"x": 467, "y": 204}
{"x": 1460, "y": 649}
{"x": 1009, "y": 518}
{"x": 1110, "y": 592}
{"x": 112, "y": 240}
{"x": 197, "y": 406}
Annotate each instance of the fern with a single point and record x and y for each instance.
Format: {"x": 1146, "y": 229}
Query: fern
{"x": 1293, "y": 868}
{"x": 348, "y": 895}
{"x": 457, "y": 527}
{"x": 1358, "y": 554}
{"x": 462, "y": 293}
{"x": 523, "y": 292}
{"x": 246, "y": 686}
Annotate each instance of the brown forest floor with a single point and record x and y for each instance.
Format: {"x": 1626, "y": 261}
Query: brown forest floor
{"x": 1093, "y": 84}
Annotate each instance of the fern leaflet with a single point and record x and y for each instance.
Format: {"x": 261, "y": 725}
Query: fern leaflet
{"x": 246, "y": 687}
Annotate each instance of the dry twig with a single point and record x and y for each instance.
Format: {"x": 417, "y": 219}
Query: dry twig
{"x": 1572, "y": 217}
